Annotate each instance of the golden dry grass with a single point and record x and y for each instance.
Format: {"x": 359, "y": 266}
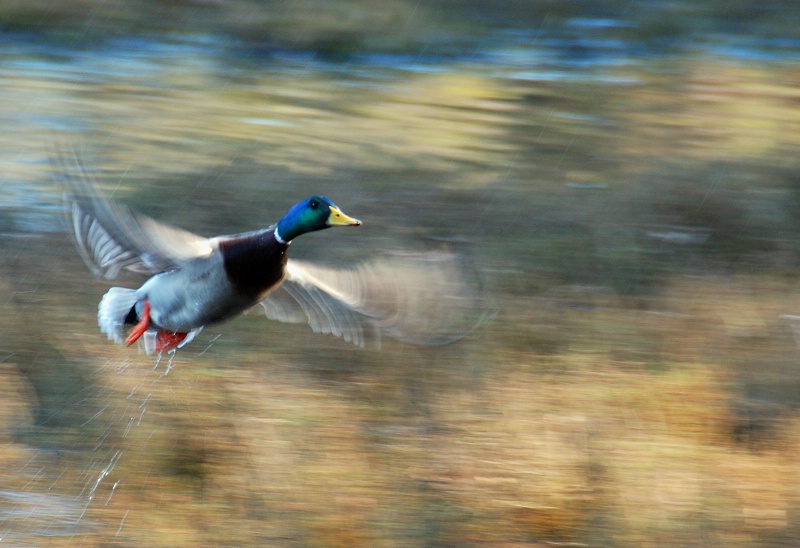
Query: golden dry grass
{"x": 629, "y": 392}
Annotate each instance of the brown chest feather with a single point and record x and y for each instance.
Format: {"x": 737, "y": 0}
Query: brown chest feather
{"x": 254, "y": 264}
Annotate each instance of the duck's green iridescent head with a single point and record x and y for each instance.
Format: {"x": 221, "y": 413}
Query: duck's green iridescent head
{"x": 315, "y": 213}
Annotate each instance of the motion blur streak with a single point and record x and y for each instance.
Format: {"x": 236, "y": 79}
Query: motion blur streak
{"x": 619, "y": 178}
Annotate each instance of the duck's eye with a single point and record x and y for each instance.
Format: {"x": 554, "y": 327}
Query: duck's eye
{"x": 314, "y": 204}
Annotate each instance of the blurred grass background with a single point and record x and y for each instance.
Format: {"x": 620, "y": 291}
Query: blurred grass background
{"x": 631, "y": 208}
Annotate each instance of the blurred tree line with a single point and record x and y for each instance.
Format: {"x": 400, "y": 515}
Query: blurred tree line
{"x": 400, "y": 26}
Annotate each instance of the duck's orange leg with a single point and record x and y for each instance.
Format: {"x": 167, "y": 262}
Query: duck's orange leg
{"x": 167, "y": 340}
{"x": 139, "y": 329}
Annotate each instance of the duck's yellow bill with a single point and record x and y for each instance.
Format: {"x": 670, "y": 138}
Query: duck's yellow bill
{"x": 337, "y": 218}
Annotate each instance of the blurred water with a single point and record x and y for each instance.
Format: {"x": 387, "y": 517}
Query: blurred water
{"x": 55, "y": 76}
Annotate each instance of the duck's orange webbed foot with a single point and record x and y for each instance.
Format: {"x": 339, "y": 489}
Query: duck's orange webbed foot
{"x": 139, "y": 329}
{"x": 167, "y": 340}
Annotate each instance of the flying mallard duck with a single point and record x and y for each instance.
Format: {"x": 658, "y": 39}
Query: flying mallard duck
{"x": 195, "y": 281}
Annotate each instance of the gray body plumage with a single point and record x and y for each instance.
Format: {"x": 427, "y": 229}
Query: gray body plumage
{"x": 197, "y": 293}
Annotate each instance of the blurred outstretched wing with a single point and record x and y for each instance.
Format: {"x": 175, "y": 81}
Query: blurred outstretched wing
{"x": 420, "y": 298}
{"x": 112, "y": 238}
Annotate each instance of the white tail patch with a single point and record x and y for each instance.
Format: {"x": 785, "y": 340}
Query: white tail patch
{"x": 113, "y": 308}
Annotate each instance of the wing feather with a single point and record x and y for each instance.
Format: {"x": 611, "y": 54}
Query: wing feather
{"x": 111, "y": 238}
{"x": 420, "y": 298}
